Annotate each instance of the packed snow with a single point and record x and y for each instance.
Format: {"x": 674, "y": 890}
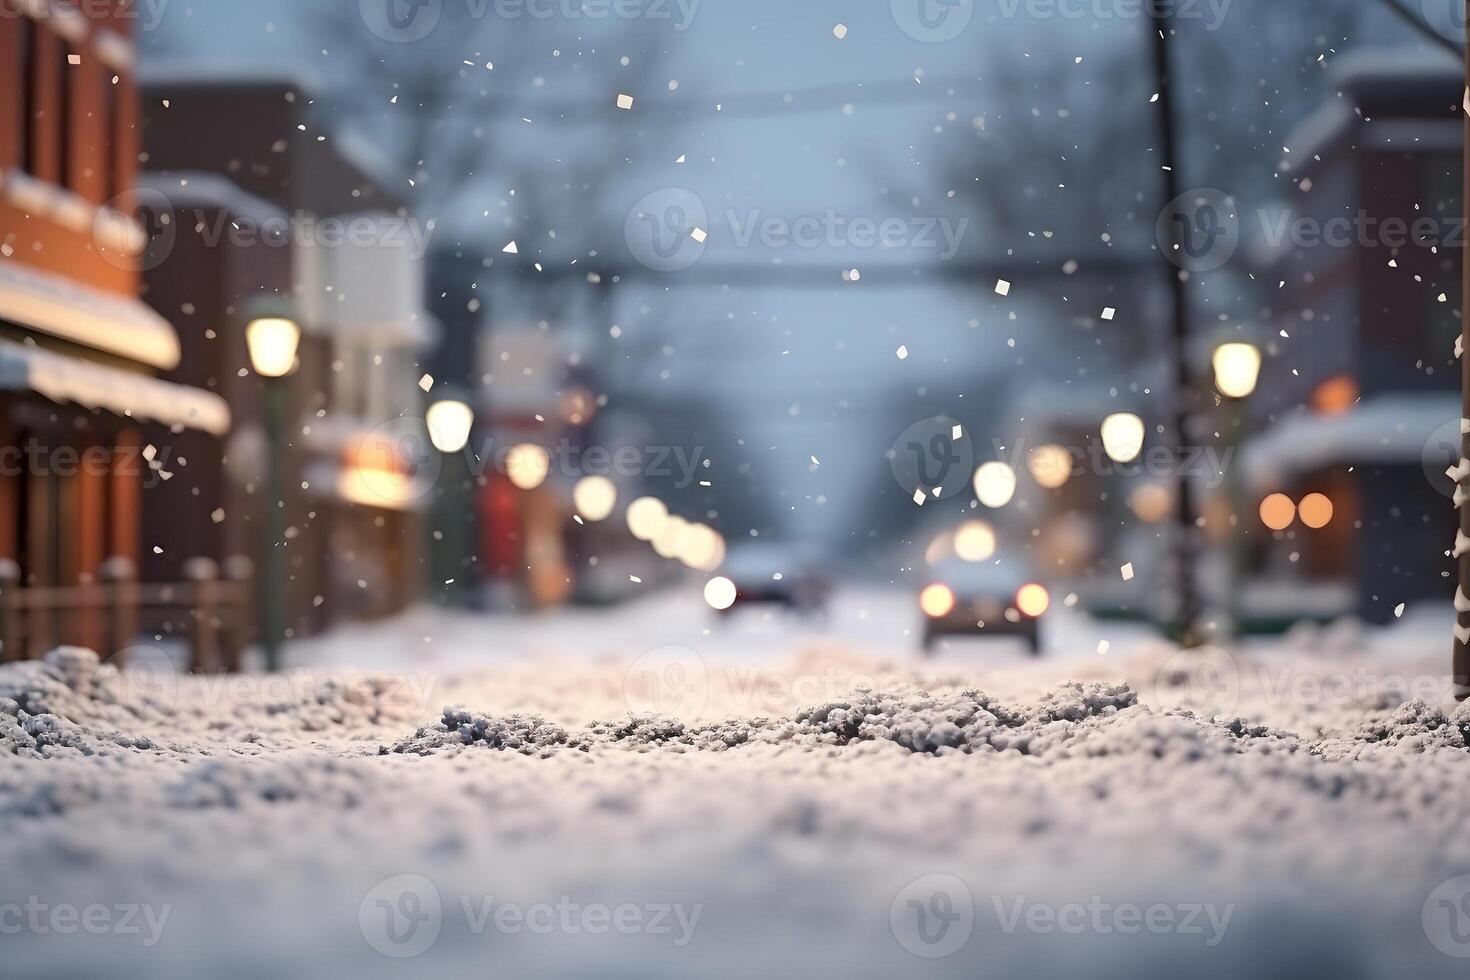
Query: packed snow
{"x": 1287, "y": 809}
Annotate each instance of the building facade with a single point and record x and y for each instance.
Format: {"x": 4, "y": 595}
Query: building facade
{"x": 79, "y": 353}
{"x": 268, "y": 209}
{"x": 1364, "y": 395}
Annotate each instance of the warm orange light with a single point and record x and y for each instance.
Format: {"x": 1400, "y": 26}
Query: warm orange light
{"x": 1335, "y": 395}
{"x": 720, "y": 593}
{"x": 1050, "y": 466}
{"x": 1316, "y": 510}
{"x": 974, "y": 541}
{"x": 1033, "y": 600}
{"x": 936, "y": 600}
{"x": 1151, "y": 502}
{"x": 1277, "y": 512}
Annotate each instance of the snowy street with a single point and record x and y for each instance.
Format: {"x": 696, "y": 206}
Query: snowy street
{"x": 1072, "y": 819}
{"x": 665, "y": 489}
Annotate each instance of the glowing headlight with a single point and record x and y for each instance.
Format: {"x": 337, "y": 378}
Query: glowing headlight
{"x": 1032, "y": 600}
{"x": 936, "y": 600}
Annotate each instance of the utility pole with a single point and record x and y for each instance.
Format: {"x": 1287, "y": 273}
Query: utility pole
{"x": 1186, "y": 611}
{"x": 1461, "y": 662}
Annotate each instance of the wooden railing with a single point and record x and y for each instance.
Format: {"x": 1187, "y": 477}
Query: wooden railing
{"x": 116, "y": 612}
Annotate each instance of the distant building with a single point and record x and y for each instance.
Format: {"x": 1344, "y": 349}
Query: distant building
{"x": 1364, "y": 397}
{"x": 269, "y": 208}
{"x": 79, "y": 353}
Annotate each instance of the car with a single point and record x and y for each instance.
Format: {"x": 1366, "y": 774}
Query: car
{"x": 988, "y": 598}
{"x": 770, "y": 572}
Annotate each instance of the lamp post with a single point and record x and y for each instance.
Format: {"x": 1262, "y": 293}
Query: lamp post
{"x": 450, "y": 422}
{"x": 272, "y": 342}
{"x": 1237, "y": 366}
{"x": 1460, "y": 664}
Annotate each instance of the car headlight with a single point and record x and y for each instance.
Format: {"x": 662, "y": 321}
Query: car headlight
{"x": 936, "y": 600}
{"x": 1032, "y": 600}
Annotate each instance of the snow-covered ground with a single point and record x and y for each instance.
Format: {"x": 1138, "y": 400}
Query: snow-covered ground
{"x": 809, "y": 799}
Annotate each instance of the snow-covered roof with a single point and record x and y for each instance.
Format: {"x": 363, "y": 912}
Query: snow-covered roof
{"x": 72, "y": 380}
{"x": 198, "y": 188}
{"x": 69, "y": 310}
{"x": 1387, "y": 87}
{"x": 1384, "y": 429}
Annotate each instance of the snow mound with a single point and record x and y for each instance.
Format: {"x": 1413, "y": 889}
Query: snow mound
{"x": 71, "y": 700}
{"x": 1084, "y": 720}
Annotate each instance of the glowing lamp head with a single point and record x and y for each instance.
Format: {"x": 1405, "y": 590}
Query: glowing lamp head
{"x": 1122, "y": 436}
{"x": 449, "y": 423}
{"x": 937, "y": 600}
{"x": 595, "y": 497}
{"x": 995, "y": 484}
{"x": 527, "y": 466}
{"x": 719, "y": 593}
{"x": 1278, "y": 511}
{"x": 272, "y": 342}
{"x": 703, "y": 548}
{"x": 1237, "y": 368}
{"x": 646, "y": 517}
{"x": 974, "y": 541}
{"x": 1050, "y": 466}
{"x": 1032, "y": 600}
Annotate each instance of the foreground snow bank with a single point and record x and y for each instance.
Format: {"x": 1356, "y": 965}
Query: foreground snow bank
{"x": 907, "y": 824}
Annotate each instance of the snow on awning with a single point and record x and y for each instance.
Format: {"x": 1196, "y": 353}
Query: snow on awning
{"x": 103, "y": 321}
{"x": 1384, "y": 429}
{"x": 71, "y": 380}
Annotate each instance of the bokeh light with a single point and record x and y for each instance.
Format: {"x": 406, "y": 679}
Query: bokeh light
{"x": 1277, "y": 512}
{"x": 995, "y": 484}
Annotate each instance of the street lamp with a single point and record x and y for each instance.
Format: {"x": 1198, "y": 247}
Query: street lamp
{"x": 449, "y": 423}
{"x": 1122, "y": 436}
{"x": 1237, "y": 368}
{"x": 595, "y": 497}
{"x": 995, "y": 484}
{"x": 272, "y": 343}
